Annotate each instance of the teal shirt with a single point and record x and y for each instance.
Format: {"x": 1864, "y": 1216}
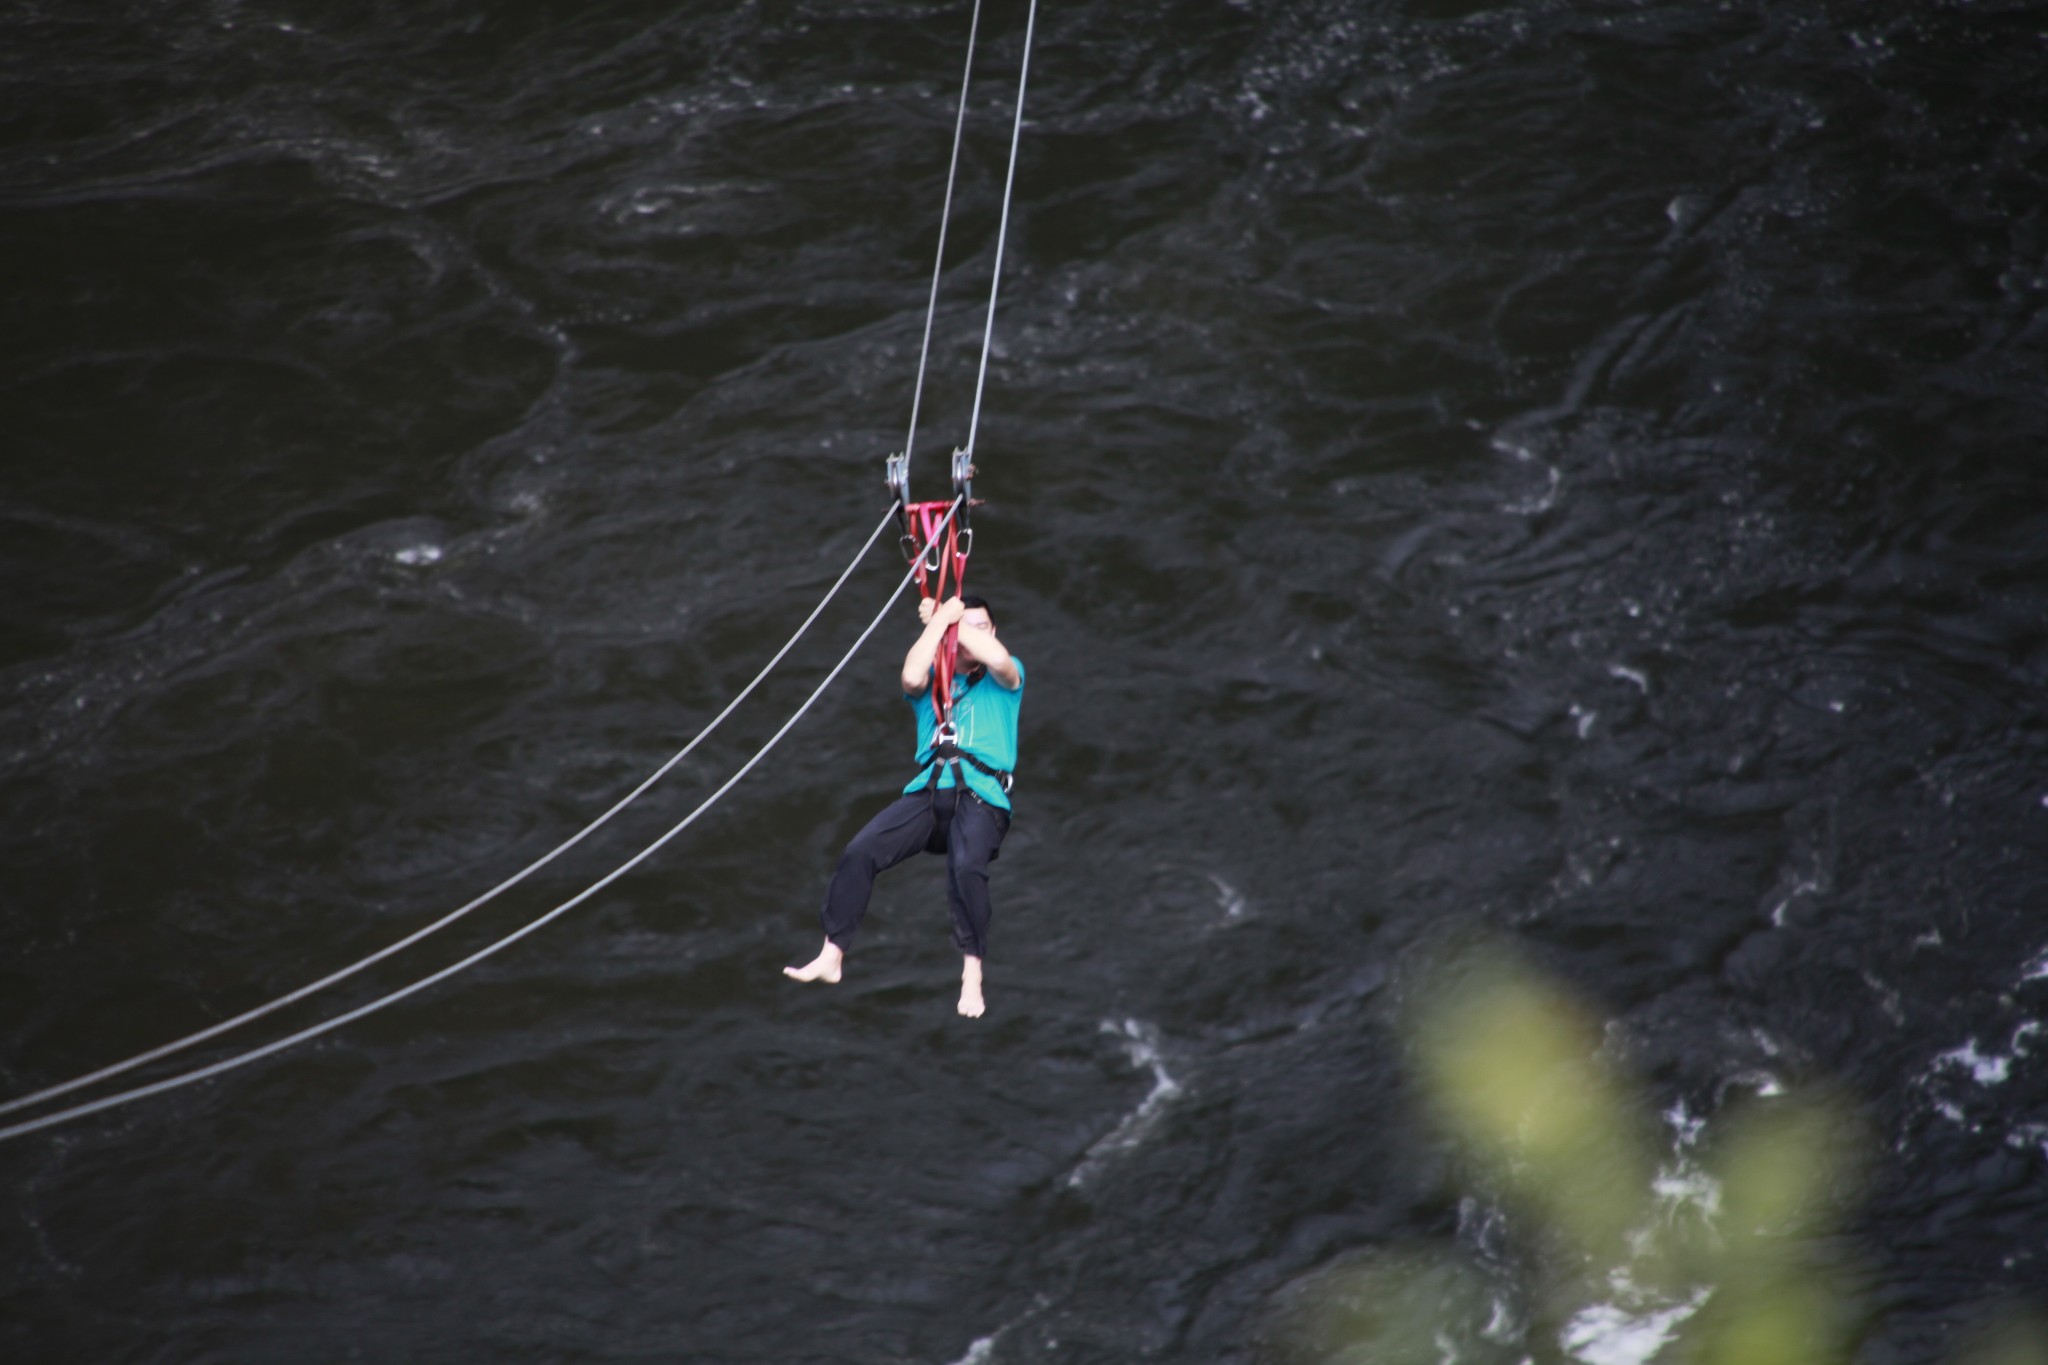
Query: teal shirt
{"x": 985, "y": 714}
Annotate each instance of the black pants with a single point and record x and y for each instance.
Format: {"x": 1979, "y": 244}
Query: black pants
{"x": 954, "y": 822}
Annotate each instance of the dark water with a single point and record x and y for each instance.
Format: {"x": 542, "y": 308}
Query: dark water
{"x": 1571, "y": 470}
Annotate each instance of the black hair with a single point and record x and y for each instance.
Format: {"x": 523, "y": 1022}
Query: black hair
{"x": 970, "y": 601}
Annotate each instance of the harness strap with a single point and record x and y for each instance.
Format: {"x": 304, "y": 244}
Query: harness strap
{"x": 941, "y": 573}
{"x": 946, "y": 754}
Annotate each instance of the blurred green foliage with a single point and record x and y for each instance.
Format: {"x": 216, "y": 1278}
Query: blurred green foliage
{"x": 1736, "y": 1263}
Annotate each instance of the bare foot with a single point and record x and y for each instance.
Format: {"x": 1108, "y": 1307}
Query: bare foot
{"x": 824, "y": 967}
{"x": 971, "y": 1003}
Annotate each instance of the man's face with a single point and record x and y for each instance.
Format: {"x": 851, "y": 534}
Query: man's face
{"x": 977, "y": 619}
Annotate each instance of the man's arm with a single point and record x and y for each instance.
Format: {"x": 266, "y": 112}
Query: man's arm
{"x": 917, "y": 664}
{"x": 986, "y": 650}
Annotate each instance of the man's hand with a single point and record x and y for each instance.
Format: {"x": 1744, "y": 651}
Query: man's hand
{"x": 937, "y": 617}
{"x": 948, "y": 612}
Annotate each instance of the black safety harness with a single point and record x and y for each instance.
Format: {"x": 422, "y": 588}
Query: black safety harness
{"x": 947, "y": 753}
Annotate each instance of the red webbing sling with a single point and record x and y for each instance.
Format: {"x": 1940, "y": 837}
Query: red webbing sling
{"x": 941, "y": 574}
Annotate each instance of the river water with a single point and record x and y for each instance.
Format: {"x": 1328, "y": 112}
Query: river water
{"x": 1566, "y": 472}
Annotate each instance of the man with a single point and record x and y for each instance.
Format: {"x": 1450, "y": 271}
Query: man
{"x": 958, "y": 805}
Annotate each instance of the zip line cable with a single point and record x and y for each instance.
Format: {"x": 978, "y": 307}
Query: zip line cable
{"x": 333, "y": 978}
{"x": 931, "y": 307}
{"x": 314, "y": 1031}
{"x": 1003, "y": 226}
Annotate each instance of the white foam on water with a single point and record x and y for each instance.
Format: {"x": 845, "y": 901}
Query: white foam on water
{"x": 1141, "y": 1043}
{"x": 979, "y": 1352}
{"x": 1684, "y": 1186}
{"x": 1500, "y": 1322}
{"x": 1802, "y": 885}
{"x": 1686, "y": 1126}
{"x": 1689, "y": 1185}
{"x": 1630, "y": 675}
{"x": 418, "y": 554}
{"x": 1635, "y": 1323}
{"x": 1890, "y": 1000}
{"x": 2025, "y": 1136}
{"x": 1229, "y": 898}
{"x": 1541, "y": 502}
{"x": 1988, "y": 1068}
{"x": 2036, "y": 969}
{"x": 982, "y": 1349}
{"x": 1608, "y": 1334}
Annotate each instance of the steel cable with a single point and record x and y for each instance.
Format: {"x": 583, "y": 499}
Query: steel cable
{"x": 931, "y": 307}
{"x": 1003, "y": 227}
{"x": 333, "y": 978}
{"x": 242, "y": 1059}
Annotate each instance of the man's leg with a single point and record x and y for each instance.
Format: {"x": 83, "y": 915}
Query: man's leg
{"x": 972, "y": 842}
{"x": 901, "y": 829}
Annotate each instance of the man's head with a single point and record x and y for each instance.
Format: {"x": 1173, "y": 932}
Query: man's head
{"x": 978, "y": 616}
